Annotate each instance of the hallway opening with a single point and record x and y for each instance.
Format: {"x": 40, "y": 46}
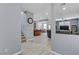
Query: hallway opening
{"x": 36, "y": 30}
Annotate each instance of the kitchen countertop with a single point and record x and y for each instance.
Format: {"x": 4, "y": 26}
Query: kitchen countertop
{"x": 67, "y": 32}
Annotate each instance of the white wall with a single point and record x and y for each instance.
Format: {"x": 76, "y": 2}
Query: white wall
{"x": 64, "y": 43}
{"x": 10, "y": 28}
{"x": 27, "y": 28}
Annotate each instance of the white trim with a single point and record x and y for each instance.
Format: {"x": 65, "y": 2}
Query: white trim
{"x": 55, "y": 53}
{"x": 18, "y": 53}
{"x": 30, "y": 39}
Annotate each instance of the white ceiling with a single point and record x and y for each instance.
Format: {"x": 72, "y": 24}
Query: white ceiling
{"x": 40, "y": 10}
{"x": 72, "y": 10}
{"x": 36, "y": 7}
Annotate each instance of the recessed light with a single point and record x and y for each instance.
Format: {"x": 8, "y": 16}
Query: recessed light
{"x": 64, "y": 8}
{"x": 22, "y": 13}
{"x": 46, "y": 13}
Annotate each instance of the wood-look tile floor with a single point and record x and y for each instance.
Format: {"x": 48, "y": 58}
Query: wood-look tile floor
{"x": 40, "y": 45}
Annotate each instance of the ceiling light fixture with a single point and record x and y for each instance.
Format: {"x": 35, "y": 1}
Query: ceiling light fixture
{"x": 64, "y": 8}
{"x": 22, "y": 13}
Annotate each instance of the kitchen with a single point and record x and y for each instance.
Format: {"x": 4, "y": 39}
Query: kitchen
{"x": 67, "y": 26}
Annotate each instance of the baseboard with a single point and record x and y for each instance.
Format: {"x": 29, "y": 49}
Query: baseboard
{"x": 18, "y": 53}
{"x": 30, "y": 39}
{"x": 55, "y": 53}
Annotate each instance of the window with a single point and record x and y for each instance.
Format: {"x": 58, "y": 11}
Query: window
{"x": 44, "y": 26}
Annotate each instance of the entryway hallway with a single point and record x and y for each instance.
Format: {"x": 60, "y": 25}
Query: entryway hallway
{"x": 40, "y": 45}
